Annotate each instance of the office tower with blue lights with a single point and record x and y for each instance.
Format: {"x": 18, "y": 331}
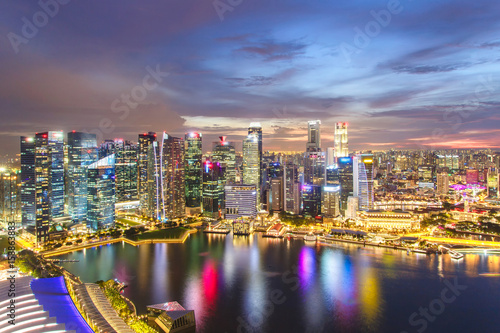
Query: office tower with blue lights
{"x": 82, "y": 151}
{"x": 126, "y": 168}
{"x": 311, "y": 200}
{"x": 28, "y": 183}
{"x": 363, "y": 180}
{"x": 145, "y": 140}
{"x": 101, "y": 194}
{"x": 193, "y": 172}
{"x": 213, "y": 189}
{"x": 240, "y": 201}
{"x": 55, "y": 143}
{"x": 345, "y": 170}
{"x": 224, "y": 152}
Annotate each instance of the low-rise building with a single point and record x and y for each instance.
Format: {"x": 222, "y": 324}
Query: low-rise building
{"x": 388, "y": 220}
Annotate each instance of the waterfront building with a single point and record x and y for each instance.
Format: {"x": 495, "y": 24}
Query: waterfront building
{"x": 243, "y": 227}
{"x": 174, "y": 200}
{"x": 252, "y": 163}
{"x": 145, "y": 140}
{"x": 224, "y": 152}
{"x": 388, "y": 220}
{"x": 330, "y": 201}
{"x": 213, "y": 189}
{"x": 171, "y": 317}
{"x": 352, "y": 207}
{"x": 126, "y": 169}
{"x": 154, "y": 182}
{"x": 82, "y": 151}
{"x": 346, "y": 180}
{"x": 193, "y": 172}
{"x": 240, "y": 201}
{"x": 101, "y": 197}
{"x": 363, "y": 180}
{"x": 28, "y": 183}
{"x": 341, "y": 141}
{"x": 311, "y": 200}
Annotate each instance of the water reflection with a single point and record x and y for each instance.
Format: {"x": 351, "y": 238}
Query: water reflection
{"x": 342, "y": 288}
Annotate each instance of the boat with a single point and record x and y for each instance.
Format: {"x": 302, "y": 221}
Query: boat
{"x": 456, "y": 255}
{"x": 310, "y": 238}
{"x": 419, "y": 251}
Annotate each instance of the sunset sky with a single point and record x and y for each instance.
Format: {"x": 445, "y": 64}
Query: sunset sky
{"x": 402, "y": 74}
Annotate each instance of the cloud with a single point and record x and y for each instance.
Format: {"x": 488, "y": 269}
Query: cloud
{"x": 272, "y": 50}
{"x": 251, "y": 81}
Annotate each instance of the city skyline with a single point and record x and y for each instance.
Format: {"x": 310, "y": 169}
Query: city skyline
{"x": 402, "y": 74}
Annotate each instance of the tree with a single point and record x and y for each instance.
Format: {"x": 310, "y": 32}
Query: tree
{"x": 447, "y": 205}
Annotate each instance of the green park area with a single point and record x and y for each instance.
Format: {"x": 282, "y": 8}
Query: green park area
{"x": 128, "y": 221}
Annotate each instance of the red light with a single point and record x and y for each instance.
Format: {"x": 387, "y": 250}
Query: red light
{"x": 145, "y": 134}
{"x": 73, "y": 131}
{"x": 45, "y": 135}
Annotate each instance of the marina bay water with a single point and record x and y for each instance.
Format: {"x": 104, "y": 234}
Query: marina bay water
{"x": 255, "y": 284}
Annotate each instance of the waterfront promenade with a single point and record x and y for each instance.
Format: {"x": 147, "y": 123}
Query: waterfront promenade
{"x": 72, "y": 248}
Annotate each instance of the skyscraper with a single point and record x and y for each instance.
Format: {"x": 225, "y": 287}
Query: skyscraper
{"x": 193, "y": 171}
{"x": 224, "y": 152}
{"x": 340, "y": 141}
{"x": 10, "y": 195}
{"x": 443, "y": 183}
{"x": 256, "y": 128}
{"x": 145, "y": 140}
{"x": 251, "y": 162}
{"x": 126, "y": 168}
{"x": 346, "y": 180}
{"x": 313, "y": 136}
{"x": 363, "y": 180}
{"x": 311, "y": 200}
{"x": 292, "y": 188}
{"x": 153, "y": 196}
{"x": 240, "y": 201}
{"x": 330, "y": 201}
{"x": 213, "y": 189}
{"x": 314, "y": 159}
{"x": 42, "y": 199}
{"x": 55, "y": 142}
{"x": 82, "y": 151}
{"x": 28, "y": 184}
{"x": 101, "y": 193}
{"x": 174, "y": 200}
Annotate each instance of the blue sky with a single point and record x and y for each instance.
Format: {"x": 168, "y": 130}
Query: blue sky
{"x": 424, "y": 75}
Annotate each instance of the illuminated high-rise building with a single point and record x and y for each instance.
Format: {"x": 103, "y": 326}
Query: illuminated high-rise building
{"x": 291, "y": 188}
{"x": 10, "y": 195}
{"x": 126, "y": 169}
{"x": 213, "y": 189}
{"x": 193, "y": 172}
{"x": 363, "y": 180}
{"x": 224, "y": 152}
{"x": 341, "y": 141}
{"x": 82, "y": 151}
{"x": 240, "y": 201}
{"x": 153, "y": 194}
{"x": 145, "y": 140}
{"x": 345, "y": 180}
{"x": 314, "y": 158}
{"x": 172, "y": 164}
{"x": 28, "y": 184}
{"x": 256, "y": 128}
{"x": 330, "y": 201}
{"x": 313, "y": 136}
{"x": 276, "y": 201}
{"x": 55, "y": 142}
{"x": 443, "y": 183}
{"x": 251, "y": 162}
{"x": 311, "y": 200}
{"x": 101, "y": 194}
